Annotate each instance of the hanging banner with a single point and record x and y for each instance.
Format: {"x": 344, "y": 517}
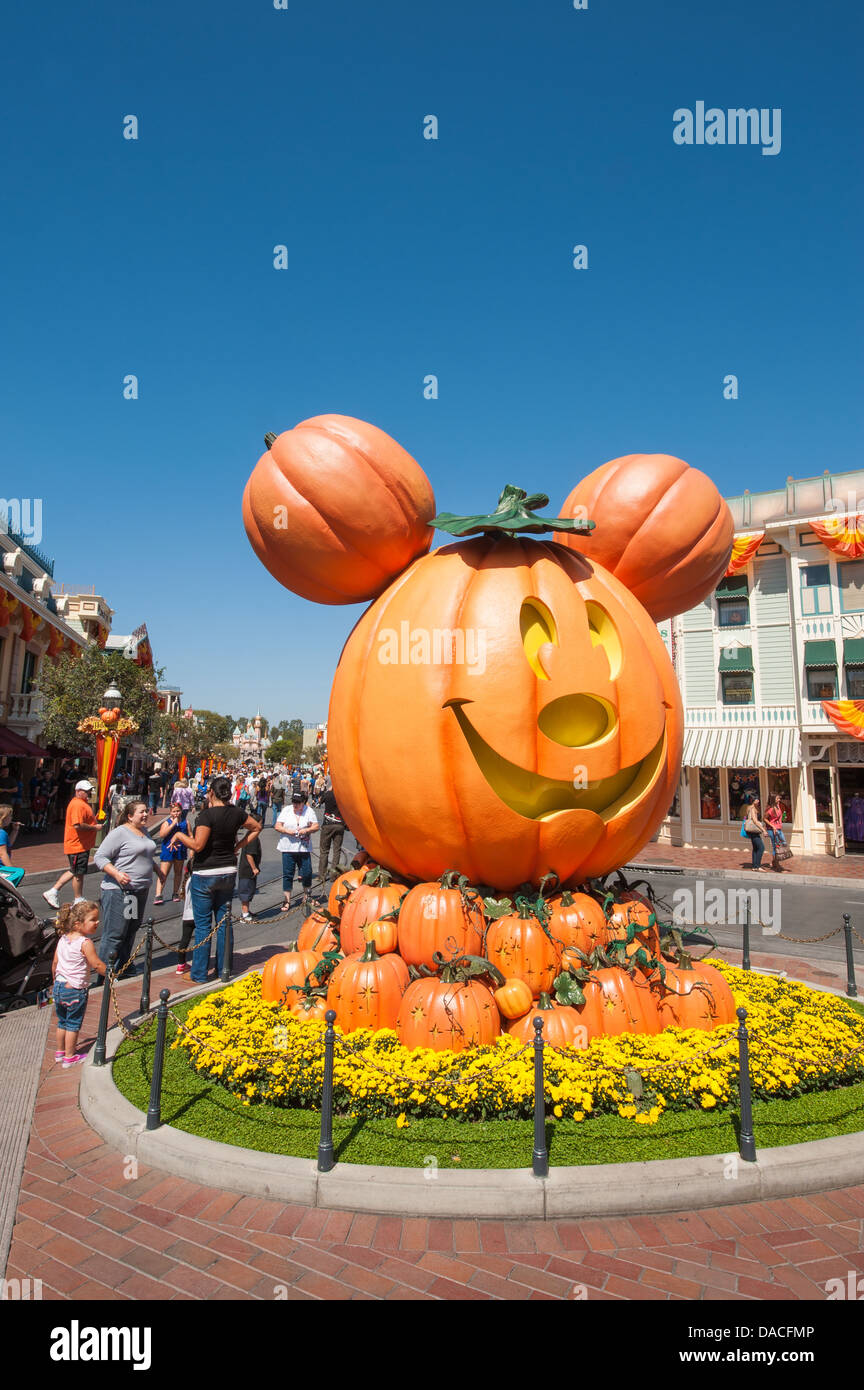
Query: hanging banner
{"x": 843, "y": 533}
{"x": 743, "y": 549}
{"x": 847, "y": 716}
{"x": 182, "y": 766}
{"x": 106, "y": 757}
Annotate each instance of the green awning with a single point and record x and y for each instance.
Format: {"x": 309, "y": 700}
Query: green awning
{"x": 853, "y": 651}
{"x": 737, "y": 659}
{"x": 733, "y": 586}
{"x": 820, "y": 653}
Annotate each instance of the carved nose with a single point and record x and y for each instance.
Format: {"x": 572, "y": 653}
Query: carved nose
{"x": 575, "y": 721}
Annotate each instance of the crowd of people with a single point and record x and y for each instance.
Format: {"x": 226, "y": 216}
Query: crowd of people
{"x": 205, "y": 851}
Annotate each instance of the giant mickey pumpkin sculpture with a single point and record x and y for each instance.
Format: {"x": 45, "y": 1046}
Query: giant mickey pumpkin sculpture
{"x": 523, "y": 675}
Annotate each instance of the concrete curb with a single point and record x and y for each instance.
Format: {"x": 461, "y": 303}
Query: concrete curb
{"x": 805, "y": 880}
{"x": 608, "y": 1189}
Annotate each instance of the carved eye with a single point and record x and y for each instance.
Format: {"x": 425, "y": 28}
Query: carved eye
{"x": 537, "y": 627}
{"x": 604, "y": 634}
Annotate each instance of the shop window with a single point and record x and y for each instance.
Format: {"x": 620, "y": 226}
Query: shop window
{"x": 743, "y": 787}
{"x": 737, "y": 687}
{"x": 778, "y": 785}
{"x": 822, "y": 683}
{"x": 733, "y": 612}
{"x": 709, "y": 793}
{"x": 822, "y": 795}
{"x": 815, "y": 589}
{"x": 855, "y": 682}
{"x": 851, "y": 577}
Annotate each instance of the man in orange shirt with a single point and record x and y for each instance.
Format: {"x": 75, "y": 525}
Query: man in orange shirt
{"x": 78, "y": 839}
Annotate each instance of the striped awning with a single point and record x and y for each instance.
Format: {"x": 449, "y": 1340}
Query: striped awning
{"x": 823, "y": 653}
{"x": 742, "y": 748}
{"x": 853, "y": 651}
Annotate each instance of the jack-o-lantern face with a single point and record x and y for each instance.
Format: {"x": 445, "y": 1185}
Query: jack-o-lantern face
{"x": 505, "y": 708}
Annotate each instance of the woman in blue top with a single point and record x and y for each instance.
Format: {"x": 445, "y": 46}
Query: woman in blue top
{"x": 173, "y": 852}
{"x": 8, "y": 836}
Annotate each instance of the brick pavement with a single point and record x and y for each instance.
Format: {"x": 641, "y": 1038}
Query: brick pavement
{"x": 90, "y": 1231}
{"x": 851, "y": 866}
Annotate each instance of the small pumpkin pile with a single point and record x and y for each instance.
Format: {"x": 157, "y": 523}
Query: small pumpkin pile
{"x": 448, "y": 969}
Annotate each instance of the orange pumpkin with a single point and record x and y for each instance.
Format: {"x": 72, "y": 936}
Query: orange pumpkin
{"x": 660, "y": 526}
{"x": 447, "y": 1015}
{"x": 549, "y": 708}
{"x": 336, "y": 509}
{"x": 562, "y": 1026}
{"x": 514, "y": 998}
{"x": 616, "y": 1003}
{"x": 369, "y": 902}
{"x": 439, "y": 917}
{"x": 384, "y": 933}
{"x": 633, "y": 916}
{"x": 342, "y": 888}
{"x": 366, "y": 990}
{"x": 286, "y": 972}
{"x": 693, "y": 996}
{"x": 318, "y": 934}
{"x": 310, "y": 1008}
{"x": 518, "y": 946}
{"x": 577, "y": 920}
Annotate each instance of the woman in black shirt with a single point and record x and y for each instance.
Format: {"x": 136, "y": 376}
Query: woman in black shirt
{"x": 214, "y": 872}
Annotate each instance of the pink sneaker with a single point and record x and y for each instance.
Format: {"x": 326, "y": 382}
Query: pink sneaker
{"x": 59, "y": 1056}
{"x": 181, "y": 970}
{"x": 74, "y": 1061}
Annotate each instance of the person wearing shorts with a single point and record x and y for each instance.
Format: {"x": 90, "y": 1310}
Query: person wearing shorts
{"x": 78, "y": 840}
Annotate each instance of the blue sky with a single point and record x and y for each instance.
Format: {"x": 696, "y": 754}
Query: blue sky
{"x": 406, "y": 257}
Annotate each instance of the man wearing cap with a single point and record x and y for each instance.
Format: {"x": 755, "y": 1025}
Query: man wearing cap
{"x": 78, "y": 840}
{"x": 298, "y": 823}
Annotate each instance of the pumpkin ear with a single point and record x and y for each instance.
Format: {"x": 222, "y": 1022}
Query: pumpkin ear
{"x": 661, "y": 527}
{"x": 336, "y": 509}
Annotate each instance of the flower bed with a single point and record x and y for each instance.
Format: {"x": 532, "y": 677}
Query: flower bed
{"x": 260, "y": 1052}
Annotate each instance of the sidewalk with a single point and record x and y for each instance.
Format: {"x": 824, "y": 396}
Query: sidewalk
{"x": 822, "y": 867}
{"x": 90, "y": 1227}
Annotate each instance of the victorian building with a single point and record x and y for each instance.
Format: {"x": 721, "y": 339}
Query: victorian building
{"x": 771, "y": 668}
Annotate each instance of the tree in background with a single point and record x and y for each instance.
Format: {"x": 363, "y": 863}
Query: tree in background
{"x": 215, "y": 728}
{"x": 284, "y": 750}
{"x": 74, "y": 687}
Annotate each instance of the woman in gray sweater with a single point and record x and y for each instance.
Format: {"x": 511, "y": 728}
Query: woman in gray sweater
{"x": 126, "y": 855}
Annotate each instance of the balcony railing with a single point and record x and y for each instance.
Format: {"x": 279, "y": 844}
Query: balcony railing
{"x": 25, "y": 709}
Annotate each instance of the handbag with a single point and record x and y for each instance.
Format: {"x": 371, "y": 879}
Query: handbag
{"x": 783, "y": 852}
{"x": 744, "y": 835}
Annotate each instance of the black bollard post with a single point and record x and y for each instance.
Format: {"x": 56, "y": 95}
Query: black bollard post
{"x": 851, "y": 987}
{"x": 154, "y": 1109}
{"x": 144, "y": 1005}
{"x": 747, "y": 1140}
{"x": 326, "y": 1160}
{"x": 745, "y": 950}
{"x": 540, "y": 1158}
{"x": 102, "y": 1030}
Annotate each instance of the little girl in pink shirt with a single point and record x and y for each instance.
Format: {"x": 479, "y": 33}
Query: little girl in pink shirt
{"x": 74, "y": 958}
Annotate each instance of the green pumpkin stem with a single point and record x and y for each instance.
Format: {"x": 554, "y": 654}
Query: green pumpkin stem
{"x": 513, "y": 514}
{"x": 370, "y": 953}
{"x": 270, "y": 439}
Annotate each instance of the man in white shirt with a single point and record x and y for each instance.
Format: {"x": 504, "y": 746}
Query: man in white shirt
{"x": 298, "y": 823}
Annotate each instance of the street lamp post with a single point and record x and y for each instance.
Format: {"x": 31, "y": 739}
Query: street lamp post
{"x": 107, "y": 726}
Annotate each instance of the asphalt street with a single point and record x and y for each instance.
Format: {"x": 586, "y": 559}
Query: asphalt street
{"x": 783, "y": 916}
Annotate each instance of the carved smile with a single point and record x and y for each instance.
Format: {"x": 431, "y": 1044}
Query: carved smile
{"x": 540, "y": 798}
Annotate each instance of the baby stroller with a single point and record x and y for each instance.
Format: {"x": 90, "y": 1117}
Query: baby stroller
{"x": 39, "y": 812}
{"x": 26, "y": 952}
